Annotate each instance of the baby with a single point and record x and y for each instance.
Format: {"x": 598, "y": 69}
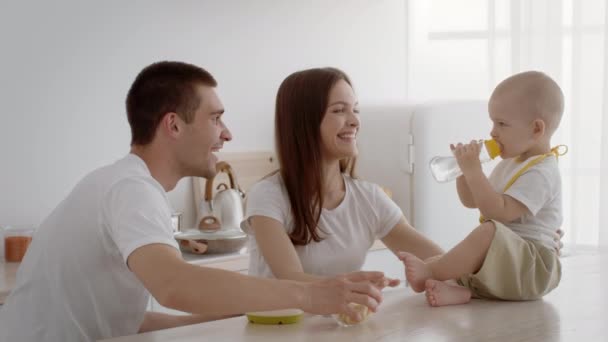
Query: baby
{"x": 513, "y": 253}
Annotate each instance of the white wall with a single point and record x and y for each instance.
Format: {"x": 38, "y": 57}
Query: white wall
{"x": 66, "y": 66}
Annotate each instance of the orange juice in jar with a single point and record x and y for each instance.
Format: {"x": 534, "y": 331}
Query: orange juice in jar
{"x": 16, "y": 242}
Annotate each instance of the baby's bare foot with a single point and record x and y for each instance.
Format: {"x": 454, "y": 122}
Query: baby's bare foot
{"x": 416, "y": 271}
{"x": 438, "y": 293}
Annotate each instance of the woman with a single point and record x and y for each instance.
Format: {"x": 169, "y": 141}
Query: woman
{"x": 313, "y": 218}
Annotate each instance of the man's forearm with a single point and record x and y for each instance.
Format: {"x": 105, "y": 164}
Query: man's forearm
{"x": 207, "y": 290}
{"x": 301, "y": 276}
{"x": 157, "y": 321}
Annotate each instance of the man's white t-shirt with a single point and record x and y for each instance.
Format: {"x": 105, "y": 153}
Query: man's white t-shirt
{"x": 365, "y": 214}
{"x": 74, "y": 283}
{"x": 540, "y": 190}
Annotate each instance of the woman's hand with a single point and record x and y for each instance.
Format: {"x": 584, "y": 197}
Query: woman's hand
{"x": 386, "y": 282}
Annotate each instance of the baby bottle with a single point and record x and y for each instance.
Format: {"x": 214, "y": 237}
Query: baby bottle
{"x": 445, "y": 169}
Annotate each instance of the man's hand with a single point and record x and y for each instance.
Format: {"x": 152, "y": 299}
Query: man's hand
{"x": 467, "y": 155}
{"x": 333, "y": 295}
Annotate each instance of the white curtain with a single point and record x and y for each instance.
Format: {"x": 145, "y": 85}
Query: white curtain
{"x": 462, "y": 49}
{"x": 603, "y": 205}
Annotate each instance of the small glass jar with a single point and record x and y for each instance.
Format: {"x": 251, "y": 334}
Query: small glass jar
{"x": 16, "y": 242}
{"x": 345, "y": 321}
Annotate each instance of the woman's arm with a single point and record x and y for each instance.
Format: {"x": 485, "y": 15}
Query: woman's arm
{"x": 281, "y": 256}
{"x": 278, "y": 250}
{"x": 404, "y": 238}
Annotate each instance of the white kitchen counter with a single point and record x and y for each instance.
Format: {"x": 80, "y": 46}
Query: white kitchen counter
{"x": 575, "y": 311}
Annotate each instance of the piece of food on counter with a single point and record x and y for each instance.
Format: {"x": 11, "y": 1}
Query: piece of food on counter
{"x": 344, "y": 319}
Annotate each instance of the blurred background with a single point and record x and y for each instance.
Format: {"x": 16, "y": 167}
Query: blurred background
{"x": 66, "y": 66}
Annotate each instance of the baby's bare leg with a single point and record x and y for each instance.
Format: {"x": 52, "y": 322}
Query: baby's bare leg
{"x": 440, "y": 293}
{"x": 465, "y": 258}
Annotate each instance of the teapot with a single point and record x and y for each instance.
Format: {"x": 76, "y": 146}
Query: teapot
{"x": 224, "y": 210}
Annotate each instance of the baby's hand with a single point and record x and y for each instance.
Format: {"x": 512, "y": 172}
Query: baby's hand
{"x": 467, "y": 155}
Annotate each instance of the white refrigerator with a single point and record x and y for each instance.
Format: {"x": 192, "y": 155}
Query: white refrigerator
{"x": 396, "y": 144}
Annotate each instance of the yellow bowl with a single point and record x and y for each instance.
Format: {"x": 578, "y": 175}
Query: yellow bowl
{"x": 287, "y": 316}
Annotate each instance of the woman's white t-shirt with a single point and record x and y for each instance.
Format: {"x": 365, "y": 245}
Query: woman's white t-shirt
{"x": 365, "y": 214}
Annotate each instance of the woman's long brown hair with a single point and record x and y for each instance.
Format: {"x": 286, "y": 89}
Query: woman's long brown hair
{"x": 301, "y": 104}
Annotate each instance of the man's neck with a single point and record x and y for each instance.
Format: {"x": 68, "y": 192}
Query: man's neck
{"x": 162, "y": 167}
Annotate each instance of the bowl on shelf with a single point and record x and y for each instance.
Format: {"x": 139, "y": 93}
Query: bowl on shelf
{"x": 217, "y": 242}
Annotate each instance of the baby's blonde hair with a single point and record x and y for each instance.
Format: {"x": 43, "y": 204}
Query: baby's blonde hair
{"x": 537, "y": 94}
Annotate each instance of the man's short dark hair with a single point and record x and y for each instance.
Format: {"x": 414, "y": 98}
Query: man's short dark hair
{"x": 161, "y": 88}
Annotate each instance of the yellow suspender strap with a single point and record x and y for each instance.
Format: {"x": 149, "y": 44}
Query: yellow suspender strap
{"x": 554, "y": 152}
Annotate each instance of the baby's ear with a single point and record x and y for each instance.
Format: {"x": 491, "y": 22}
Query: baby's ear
{"x": 539, "y": 127}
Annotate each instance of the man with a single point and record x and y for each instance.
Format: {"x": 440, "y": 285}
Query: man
{"x": 99, "y": 255}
